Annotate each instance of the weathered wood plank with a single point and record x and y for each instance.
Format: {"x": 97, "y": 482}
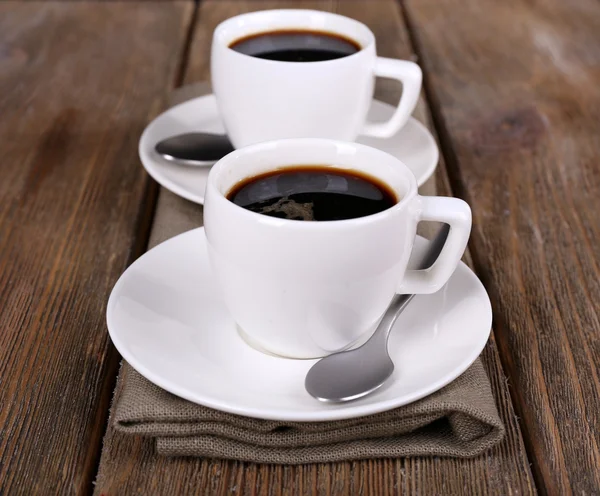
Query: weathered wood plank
{"x": 129, "y": 465}
{"x": 516, "y": 85}
{"x": 103, "y": 1}
{"x": 78, "y": 83}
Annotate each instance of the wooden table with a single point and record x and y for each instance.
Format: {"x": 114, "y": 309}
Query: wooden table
{"x": 512, "y": 91}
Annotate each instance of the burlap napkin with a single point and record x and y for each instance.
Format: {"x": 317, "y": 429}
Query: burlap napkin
{"x": 460, "y": 420}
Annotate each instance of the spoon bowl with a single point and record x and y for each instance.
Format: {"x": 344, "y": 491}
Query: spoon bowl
{"x": 365, "y": 370}
{"x": 195, "y": 149}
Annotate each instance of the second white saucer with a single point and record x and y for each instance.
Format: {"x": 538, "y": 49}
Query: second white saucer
{"x": 166, "y": 317}
{"x": 413, "y": 144}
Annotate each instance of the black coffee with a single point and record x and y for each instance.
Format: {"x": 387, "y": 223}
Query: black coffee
{"x": 313, "y": 193}
{"x": 296, "y": 46}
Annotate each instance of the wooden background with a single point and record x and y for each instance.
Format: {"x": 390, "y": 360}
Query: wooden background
{"x": 512, "y": 91}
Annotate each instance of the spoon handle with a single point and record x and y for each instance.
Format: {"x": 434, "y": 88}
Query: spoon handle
{"x": 399, "y": 301}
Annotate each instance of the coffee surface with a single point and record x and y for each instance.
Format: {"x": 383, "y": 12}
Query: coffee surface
{"x": 296, "y": 46}
{"x": 313, "y": 193}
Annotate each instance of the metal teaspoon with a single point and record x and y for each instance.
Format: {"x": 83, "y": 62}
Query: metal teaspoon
{"x": 349, "y": 375}
{"x": 198, "y": 149}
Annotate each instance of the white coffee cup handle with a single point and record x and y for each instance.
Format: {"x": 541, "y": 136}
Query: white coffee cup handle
{"x": 410, "y": 75}
{"x": 457, "y": 214}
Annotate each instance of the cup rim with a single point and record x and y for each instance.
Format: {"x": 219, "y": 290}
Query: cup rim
{"x": 259, "y": 13}
{"x": 213, "y": 191}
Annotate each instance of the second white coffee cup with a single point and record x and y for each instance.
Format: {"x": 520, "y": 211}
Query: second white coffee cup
{"x": 307, "y": 289}
{"x": 262, "y": 100}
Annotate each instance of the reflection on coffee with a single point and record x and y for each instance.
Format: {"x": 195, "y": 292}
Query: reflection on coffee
{"x": 296, "y": 46}
{"x": 313, "y": 193}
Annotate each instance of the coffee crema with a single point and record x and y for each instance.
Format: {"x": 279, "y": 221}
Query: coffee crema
{"x": 313, "y": 193}
{"x": 296, "y": 46}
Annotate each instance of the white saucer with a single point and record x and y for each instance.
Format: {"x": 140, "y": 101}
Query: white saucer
{"x": 413, "y": 144}
{"x": 167, "y": 320}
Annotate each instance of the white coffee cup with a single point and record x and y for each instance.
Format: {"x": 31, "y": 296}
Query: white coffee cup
{"x": 263, "y": 100}
{"x": 307, "y": 289}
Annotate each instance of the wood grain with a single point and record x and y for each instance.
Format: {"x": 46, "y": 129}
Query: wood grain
{"x": 103, "y": 1}
{"x": 516, "y": 85}
{"x": 129, "y": 464}
{"x": 78, "y": 83}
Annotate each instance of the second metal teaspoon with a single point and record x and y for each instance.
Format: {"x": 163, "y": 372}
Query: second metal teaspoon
{"x": 199, "y": 149}
{"x": 352, "y": 374}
